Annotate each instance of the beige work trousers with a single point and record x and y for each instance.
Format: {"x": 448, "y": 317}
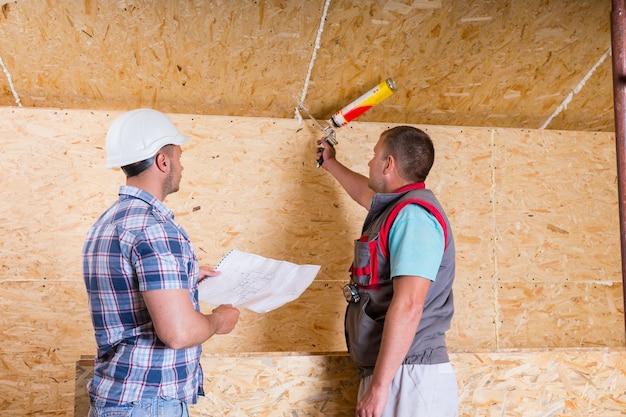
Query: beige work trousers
{"x": 420, "y": 391}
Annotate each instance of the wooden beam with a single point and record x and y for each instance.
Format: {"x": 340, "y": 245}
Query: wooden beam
{"x": 618, "y": 41}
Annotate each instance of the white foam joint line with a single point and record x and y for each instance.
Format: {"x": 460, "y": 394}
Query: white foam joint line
{"x": 313, "y": 56}
{"x": 496, "y": 237}
{"x": 15, "y": 95}
{"x": 576, "y": 89}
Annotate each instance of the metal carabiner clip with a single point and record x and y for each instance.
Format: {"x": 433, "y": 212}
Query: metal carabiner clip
{"x": 351, "y": 293}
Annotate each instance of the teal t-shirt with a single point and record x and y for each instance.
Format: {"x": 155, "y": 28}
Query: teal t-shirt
{"x": 416, "y": 243}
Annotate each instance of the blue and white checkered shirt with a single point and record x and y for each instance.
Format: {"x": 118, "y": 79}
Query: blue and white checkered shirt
{"x": 137, "y": 246}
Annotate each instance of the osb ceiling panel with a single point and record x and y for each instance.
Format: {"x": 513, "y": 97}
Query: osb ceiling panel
{"x": 498, "y": 63}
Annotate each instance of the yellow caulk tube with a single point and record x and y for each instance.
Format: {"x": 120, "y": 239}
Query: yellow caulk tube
{"x": 364, "y": 103}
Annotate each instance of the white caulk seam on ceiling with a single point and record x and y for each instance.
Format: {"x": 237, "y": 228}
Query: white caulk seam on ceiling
{"x": 313, "y": 56}
{"x": 576, "y": 89}
{"x": 6, "y": 72}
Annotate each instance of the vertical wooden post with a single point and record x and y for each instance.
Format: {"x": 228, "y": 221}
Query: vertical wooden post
{"x": 618, "y": 41}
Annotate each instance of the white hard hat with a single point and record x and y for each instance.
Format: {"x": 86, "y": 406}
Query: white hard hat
{"x": 138, "y": 135}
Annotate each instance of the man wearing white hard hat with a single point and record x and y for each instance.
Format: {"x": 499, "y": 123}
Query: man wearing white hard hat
{"x": 141, "y": 275}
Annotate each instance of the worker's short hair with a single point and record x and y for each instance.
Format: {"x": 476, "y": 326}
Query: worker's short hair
{"x": 413, "y": 150}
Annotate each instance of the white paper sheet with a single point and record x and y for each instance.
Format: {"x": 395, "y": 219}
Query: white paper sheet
{"x": 251, "y": 281}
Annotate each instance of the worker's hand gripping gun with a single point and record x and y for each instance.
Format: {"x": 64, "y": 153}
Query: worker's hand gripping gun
{"x": 352, "y": 111}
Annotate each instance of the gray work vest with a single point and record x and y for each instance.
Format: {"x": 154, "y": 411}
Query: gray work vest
{"x": 370, "y": 272}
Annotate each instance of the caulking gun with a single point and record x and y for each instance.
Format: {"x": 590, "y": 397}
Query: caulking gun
{"x": 353, "y": 110}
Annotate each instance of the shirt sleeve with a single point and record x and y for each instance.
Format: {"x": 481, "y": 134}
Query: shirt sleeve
{"x": 416, "y": 243}
{"x": 159, "y": 261}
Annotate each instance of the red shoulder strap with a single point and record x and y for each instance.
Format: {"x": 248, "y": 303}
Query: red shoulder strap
{"x": 384, "y": 231}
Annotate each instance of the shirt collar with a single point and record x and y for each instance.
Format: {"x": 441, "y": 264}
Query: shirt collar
{"x": 411, "y": 187}
{"x": 385, "y": 198}
{"x": 134, "y": 192}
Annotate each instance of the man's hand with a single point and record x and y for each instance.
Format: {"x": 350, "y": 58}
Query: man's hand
{"x": 372, "y": 403}
{"x": 226, "y": 318}
{"x": 207, "y": 271}
{"x": 325, "y": 151}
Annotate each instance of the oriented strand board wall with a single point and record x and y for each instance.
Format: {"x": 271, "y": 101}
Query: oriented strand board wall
{"x": 534, "y": 216}
{"x": 516, "y": 383}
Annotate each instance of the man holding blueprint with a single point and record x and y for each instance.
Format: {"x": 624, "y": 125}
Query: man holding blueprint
{"x": 141, "y": 274}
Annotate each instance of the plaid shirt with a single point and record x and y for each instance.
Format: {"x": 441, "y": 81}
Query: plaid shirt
{"x": 137, "y": 246}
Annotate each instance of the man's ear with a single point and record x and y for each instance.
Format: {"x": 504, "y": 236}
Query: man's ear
{"x": 162, "y": 162}
{"x": 390, "y": 164}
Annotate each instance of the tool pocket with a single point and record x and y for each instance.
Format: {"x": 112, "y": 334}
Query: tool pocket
{"x": 365, "y": 334}
{"x": 364, "y": 269}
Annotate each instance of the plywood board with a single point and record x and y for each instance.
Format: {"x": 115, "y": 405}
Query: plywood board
{"x": 560, "y": 314}
{"x": 518, "y": 383}
{"x": 555, "y": 205}
{"x": 533, "y": 383}
{"x": 252, "y": 184}
{"x": 475, "y": 63}
{"x": 44, "y": 330}
{"x": 462, "y": 179}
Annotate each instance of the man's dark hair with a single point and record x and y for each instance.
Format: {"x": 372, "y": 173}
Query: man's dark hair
{"x": 137, "y": 168}
{"x": 413, "y": 150}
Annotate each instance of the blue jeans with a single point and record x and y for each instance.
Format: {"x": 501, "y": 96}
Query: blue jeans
{"x": 157, "y": 407}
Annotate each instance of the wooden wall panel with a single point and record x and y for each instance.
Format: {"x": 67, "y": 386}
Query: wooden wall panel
{"x": 516, "y": 383}
{"x": 476, "y": 317}
{"x": 44, "y": 330}
{"x": 545, "y": 314}
{"x": 462, "y": 178}
{"x": 555, "y": 206}
{"x": 252, "y": 184}
{"x": 559, "y": 382}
